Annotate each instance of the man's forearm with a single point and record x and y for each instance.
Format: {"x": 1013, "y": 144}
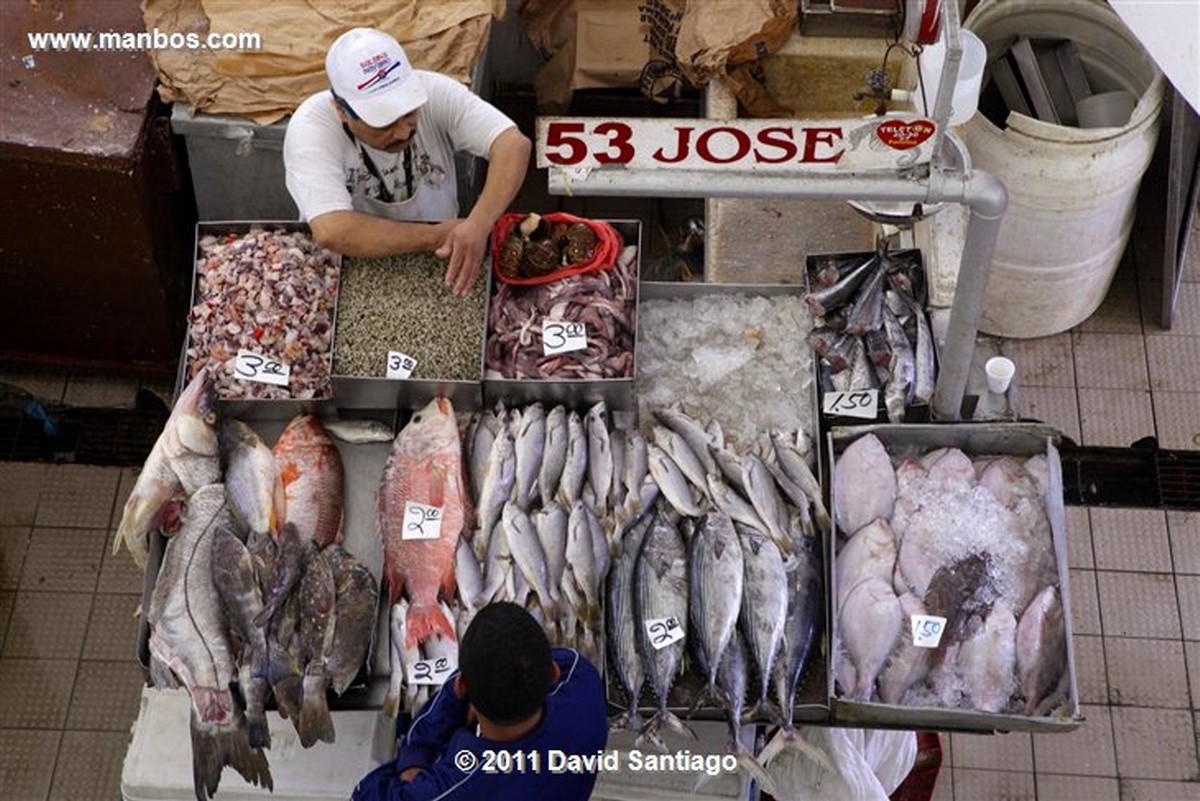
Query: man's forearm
{"x": 508, "y": 162}
{"x": 353, "y": 233}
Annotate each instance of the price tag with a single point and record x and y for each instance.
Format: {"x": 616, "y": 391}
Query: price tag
{"x": 251, "y": 366}
{"x": 433, "y": 672}
{"x": 927, "y": 630}
{"x": 563, "y": 337}
{"x": 421, "y": 522}
{"x": 663, "y": 632}
{"x": 400, "y": 365}
{"x": 861, "y": 403}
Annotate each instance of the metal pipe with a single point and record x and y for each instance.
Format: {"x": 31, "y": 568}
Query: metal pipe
{"x": 982, "y": 192}
{"x": 952, "y": 33}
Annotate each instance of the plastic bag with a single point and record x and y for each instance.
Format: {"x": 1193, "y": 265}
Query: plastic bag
{"x": 866, "y": 765}
{"x": 608, "y": 247}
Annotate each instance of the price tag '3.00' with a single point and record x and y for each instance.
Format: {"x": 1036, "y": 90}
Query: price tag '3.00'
{"x": 251, "y": 366}
{"x": 559, "y": 336}
{"x": 400, "y": 365}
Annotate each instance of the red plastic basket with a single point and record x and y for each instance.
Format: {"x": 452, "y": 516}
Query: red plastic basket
{"x": 608, "y": 247}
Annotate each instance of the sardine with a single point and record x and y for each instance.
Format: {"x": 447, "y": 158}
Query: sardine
{"x": 715, "y": 576}
{"x": 823, "y": 301}
{"x": 529, "y": 443}
{"x": 554, "y": 454}
{"x": 671, "y": 482}
{"x": 185, "y": 457}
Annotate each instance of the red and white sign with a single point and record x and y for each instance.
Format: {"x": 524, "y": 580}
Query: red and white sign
{"x": 776, "y": 146}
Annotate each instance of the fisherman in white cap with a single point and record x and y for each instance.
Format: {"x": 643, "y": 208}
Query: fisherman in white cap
{"x": 370, "y": 162}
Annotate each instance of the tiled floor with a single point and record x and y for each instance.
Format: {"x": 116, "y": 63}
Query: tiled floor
{"x": 69, "y": 681}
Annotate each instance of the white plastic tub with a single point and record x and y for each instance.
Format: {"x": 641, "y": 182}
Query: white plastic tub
{"x": 1071, "y": 191}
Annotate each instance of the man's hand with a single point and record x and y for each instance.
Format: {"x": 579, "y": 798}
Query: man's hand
{"x": 464, "y": 247}
{"x": 409, "y": 775}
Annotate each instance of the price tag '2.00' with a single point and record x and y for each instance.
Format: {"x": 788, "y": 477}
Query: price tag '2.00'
{"x": 421, "y": 522}
{"x": 252, "y": 366}
{"x": 663, "y": 632}
{"x": 563, "y": 337}
{"x": 433, "y": 672}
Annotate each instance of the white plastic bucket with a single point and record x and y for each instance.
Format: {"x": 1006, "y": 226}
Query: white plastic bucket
{"x": 1071, "y": 191}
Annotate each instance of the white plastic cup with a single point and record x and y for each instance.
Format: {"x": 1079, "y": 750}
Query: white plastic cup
{"x": 1000, "y": 372}
{"x": 970, "y": 77}
{"x": 1106, "y": 110}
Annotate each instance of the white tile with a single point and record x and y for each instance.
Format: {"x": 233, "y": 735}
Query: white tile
{"x": 1184, "y": 528}
{"x": 1149, "y": 673}
{"x": 1138, "y": 604}
{"x": 1131, "y": 539}
{"x": 1178, "y": 419}
{"x": 1086, "y": 751}
{"x": 1115, "y": 417}
{"x": 1155, "y": 743}
{"x": 1056, "y": 787}
{"x": 1173, "y": 362}
{"x": 1042, "y": 362}
{"x": 1110, "y": 361}
{"x": 78, "y": 496}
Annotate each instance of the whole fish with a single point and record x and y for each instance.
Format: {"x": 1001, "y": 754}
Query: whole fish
{"x": 187, "y": 635}
{"x": 988, "y": 659}
{"x": 794, "y": 462}
{"x": 870, "y": 622}
{"x": 580, "y": 579}
{"x": 482, "y": 435}
{"x": 621, "y": 625}
{"x": 732, "y": 504}
{"x": 675, "y": 446}
{"x": 550, "y": 522}
{"x": 529, "y": 443}
{"x": 802, "y": 628}
{"x": 908, "y": 663}
{"x": 637, "y": 464}
{"x": 878, "y": 349}
{"x": 528, "y": 555}
{"x": 288, "y": 563}
{"x": 1041, "y": 648}
{"x": 554, "y": 454}
{"x": 671, "y": 482}
{"x": 251, "y": 480}
{"x": 403, "y": 656}
{"x": 361, "y": 431}
{"x": 498, "y": 569}
{"x": 310, "y": 469}
{"x": 599, "y": 542}
{"x": 498, "y": 481}
{"x": 660, "y": 592}
{"x": 865, "y": 484}
{"x": 467, "y": 575}
{"x": 183, "y": 459}
{"x": 424, "y": 468}
{"x": 902, "y": 369}
{"x": 732, "y": 678}
{"x": 575, "y": 471}
{"x": 318, "y": 594}
{"x": 241, "y": 599}
{"x": 730, "y": 466}
{"x": 823, "y": 301}
{"x": 764, "y": 611}
{"x": 617, "y": 444}
{"x": 764, "y": 497}
{"x": 862, "y": 371}
{"x": 697, "y": 438}
{"x": 870, "y": 553}
{"x": 865, "y": 314}
{"x": 715, "y": 575}
{"x": 357, "y": 599}
{"x": 926, "y": 377}
{"x": 599, "y": 457}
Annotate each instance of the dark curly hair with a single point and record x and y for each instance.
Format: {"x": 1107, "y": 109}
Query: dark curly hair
{"x": 505, "y": 661}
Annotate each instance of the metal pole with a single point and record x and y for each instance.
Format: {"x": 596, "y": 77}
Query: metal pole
{"x": 982, "y": 192}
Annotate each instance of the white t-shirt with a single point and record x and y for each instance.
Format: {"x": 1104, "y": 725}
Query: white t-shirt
{"x": 326, "y": 171}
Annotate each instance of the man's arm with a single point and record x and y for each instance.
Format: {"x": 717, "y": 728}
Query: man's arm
{"x": 353, "y": 233}
{"x": 508, "y": 160}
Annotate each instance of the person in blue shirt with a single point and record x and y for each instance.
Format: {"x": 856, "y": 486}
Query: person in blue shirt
{"x": 501, "y": 726}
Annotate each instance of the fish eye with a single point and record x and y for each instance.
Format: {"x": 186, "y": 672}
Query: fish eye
{"x": 416, "y": 418}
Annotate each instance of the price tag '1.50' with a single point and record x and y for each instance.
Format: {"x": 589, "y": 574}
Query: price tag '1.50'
{"x": 400, "y": 365}
{"x": 433, "y": 672}
{"x": 421, "y": 522}
{"x": 562, "y": 337}
{"x": 252, "y": 366}
{"x": 927, "y": 630}
{"x": 663, "y": 631}
{"x": 862, "y": 403}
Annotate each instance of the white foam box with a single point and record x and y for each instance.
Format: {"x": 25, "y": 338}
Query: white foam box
{"x": 158, "y": 764}
{"x": 973, "y": 439}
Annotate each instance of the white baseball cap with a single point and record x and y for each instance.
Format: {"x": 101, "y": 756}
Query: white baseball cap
{"x": 368, "y": 70}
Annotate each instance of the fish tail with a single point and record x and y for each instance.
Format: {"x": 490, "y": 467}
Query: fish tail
{"x": 289, "y": 695}
{"x": 768, "y": 709}
{"x": 425, "y": 621}
{"x": 256, "y": 716}
{"x": 790, "y": 740}
{"x": 212, "y": 750}
{"x": 315, "y": 722}
{"x": 749, "y": 767}
{"x": 676, "y": 725}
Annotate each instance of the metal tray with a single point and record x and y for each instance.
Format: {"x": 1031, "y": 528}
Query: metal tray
{"x": 617, "y": 393}
{"x": 250, "y": 408}
{"x": 974, "y": 439}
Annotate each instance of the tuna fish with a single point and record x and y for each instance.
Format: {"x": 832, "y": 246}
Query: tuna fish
{"x": 764, "y": 611}
{"x": 424, "y": 468}
{"x": 715, "y": 576}
{"x": 621, "y": 624}
{"x": 184, "y": 459}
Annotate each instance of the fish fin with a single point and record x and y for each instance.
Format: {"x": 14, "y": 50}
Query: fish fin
{"x": 288, "y": 472}
{"x": 213, "y": 750}
{"x": 791, "y": 740}
{"x": 449, "y": 584}
{"x": 424, "y": 622}
{"x": 142, "y": 514}
{"x": 678, "y": 726}
{"x": 765, "y": 708}
{"x": 257, "y": 727}
{"x": 315, "y": 722}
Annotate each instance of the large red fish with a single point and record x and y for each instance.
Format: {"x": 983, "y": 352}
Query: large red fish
{"x": 310, "y": 469}
{"x": 425, "y": 467}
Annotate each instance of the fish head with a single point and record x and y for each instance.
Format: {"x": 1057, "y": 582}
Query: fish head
{"x": 199, "y": 398}
{"x": 428, "y": 429}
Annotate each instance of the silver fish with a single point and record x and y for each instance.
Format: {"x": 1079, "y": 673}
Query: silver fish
{"x": 529, "y": 442}
{"x": 483, "y": 433}
{"x": 734, "y": 505}
{"x": 599, "y": 542}
{"x": 671, "y": 482}
{"x": 580, "y": 579}
{"x": 764, "y": 610}
{"x": 637, "y": 463}
{"x": 468, "y": 576}
{"x": 554, "y": 454}
{"x": 864, "y": 315}
{"x": 902, "y": 370}
{"x": 794, "y": 462}
{"x": 730, "y": 465}
{"x": 361, "y": 431}
{"x": 660, "y": 592}
{"x": 925, "y": 357}
{"x": 497, "y": 487}
{"x": 528, "y": 555}
{"x": 681, "y": 453}
{"x": 694, "y": 434}
{"x": 600, "y": 458}
{"x": 621, "y": 624}
{"x": 715, "y": 576}
{"x": 824, "y": 301}
{"x": 251, "y": 480}
{"x": 764, "y": 497}
{"x": 802, "y": 628}
{"x": 497, "y": 568}
{"x": 188, "y": 636}
{"x": 575, "y": 471}
{"x": 551, "y": 525}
